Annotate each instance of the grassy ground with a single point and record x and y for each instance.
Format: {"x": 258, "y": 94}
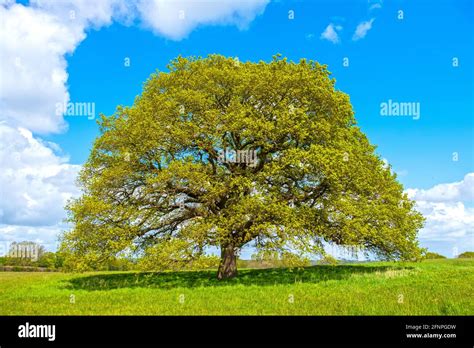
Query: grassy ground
{"x": 437, "y": 287}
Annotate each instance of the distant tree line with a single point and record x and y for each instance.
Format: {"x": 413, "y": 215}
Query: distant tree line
{"x": 31, "y": 256}
{"x": 431, "y": 255}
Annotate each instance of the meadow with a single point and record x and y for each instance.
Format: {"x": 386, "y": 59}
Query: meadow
{"x": 431, "y": 287}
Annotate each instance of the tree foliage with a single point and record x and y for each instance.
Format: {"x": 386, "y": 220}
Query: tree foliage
{"x": 280, "y": 259}
{"x": 328, "y": 260}
{"x": 431, "y": 256}
{"x": 157, "y": 175}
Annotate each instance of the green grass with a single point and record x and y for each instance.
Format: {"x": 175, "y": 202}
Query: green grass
{"x": 432, "y": 287}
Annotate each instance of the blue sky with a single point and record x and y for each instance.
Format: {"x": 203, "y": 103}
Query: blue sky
{"x": 407, "y": 59}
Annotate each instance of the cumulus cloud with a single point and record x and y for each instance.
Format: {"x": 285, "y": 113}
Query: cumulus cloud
{"x": 449, "y": 213}
{"x": 446, "y": 221}
{"x": 44, "y": 235}
{"x": 35, "y": 182}
{"x": 176, "y": 19}
{"x": 33, "y": 67}
{"x": 33, "y": 64}
{"x": 82, "y": 13}
{"x": 362, "y": 29}
{"x": 331, "y": 33}
{"x": 33, "y": 43}
{"x": 451, "y": 192}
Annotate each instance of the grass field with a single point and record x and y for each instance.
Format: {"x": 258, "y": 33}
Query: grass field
{"x": 435, "y": 287}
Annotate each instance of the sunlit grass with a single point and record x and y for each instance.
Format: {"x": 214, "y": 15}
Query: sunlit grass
{"x": 437, "y": 287}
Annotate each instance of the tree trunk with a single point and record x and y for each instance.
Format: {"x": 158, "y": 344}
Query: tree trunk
{"x": 228, "y": 264}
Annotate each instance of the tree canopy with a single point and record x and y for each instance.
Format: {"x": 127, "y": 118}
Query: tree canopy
{"x": 217, "y": 152}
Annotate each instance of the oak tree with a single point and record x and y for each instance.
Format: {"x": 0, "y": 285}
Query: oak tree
{"x": 221, "y": 153}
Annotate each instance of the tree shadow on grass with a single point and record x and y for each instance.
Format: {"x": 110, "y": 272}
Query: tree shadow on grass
{"x": 207, "y": 278}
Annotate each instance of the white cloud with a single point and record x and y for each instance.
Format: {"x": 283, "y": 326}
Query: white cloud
{"x": 452, "y": 192}
{"x": 446, "y": 221}
{"x": 176, "y": 19}
{"x": 449, "y": 213}
{"x": 35, "y": 183}
{"x": 81, "y": 13}
{"x": 362, "y": 29}
{"x": 33, "y": 67}
{"x": 33, "y": 43}
{"x": 32, "y": 64}
{"x": 330, "y": 33}
{"x": 45, "y": 235}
